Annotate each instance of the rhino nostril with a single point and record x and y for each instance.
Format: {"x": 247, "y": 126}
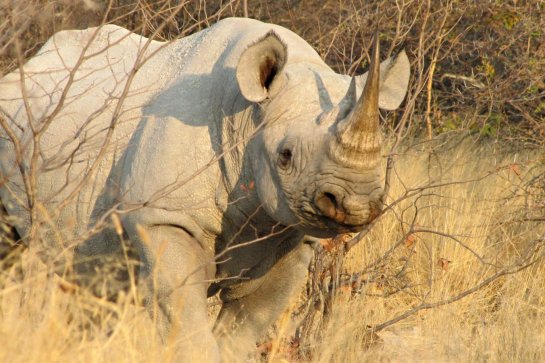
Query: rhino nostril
{"x": 327, "y": 204}
{"x": 331, "y": 198}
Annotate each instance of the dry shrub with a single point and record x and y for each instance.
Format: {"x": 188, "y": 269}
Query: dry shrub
{"x": 479, "y": 64}
{"x": 435, "y": 245}
{"x": 483, "y": 62}
{"x": 449, "y": 270}
{"x": 28, "y": 24}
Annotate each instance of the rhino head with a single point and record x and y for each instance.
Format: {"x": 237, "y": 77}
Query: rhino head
{"x": 317, "y": 159}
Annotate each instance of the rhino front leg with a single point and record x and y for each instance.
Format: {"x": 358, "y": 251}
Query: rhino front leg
{"x": 245, "y": 318}
{"x": 174, "y": 276}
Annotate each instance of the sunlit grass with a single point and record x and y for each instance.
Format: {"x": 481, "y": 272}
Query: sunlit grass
{"x": 471, "y": 227}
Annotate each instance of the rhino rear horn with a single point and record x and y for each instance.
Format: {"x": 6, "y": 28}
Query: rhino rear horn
{"x": 259, "y": 67}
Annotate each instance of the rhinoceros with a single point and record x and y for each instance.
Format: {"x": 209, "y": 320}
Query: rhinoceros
{"x": 222, "y": 156}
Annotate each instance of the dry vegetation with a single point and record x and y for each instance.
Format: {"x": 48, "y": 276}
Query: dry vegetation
{"x": 470, "y": 235}
{"x": 453, "y": 269}
{"x": 451, "y": 273}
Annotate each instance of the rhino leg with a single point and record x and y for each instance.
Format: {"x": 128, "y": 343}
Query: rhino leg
{"x": 173, "y": 278}
{"x": 245, "y": 319}
{"x": 105, "y": 265}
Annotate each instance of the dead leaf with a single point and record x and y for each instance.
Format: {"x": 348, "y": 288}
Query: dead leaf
{"x": 443, "y": 264}
{"x": 410, "y": 240}
{"x": 515, "y": 169}
{"x": 246, "y": 188}
{"x": 67, "y": 287}
{"x": 117, "y": 224}
{"x": 327, "y": 244}
{"x": 371, "y": 340}
{"x": 264, "y": 348}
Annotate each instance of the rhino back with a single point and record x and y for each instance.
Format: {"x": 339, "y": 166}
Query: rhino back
{"x": 72, "y": 88}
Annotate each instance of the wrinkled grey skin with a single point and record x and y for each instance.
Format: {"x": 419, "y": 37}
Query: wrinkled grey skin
{"x": 221, "y": 165}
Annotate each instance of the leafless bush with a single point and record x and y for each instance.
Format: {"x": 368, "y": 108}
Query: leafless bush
{"x": 415, "y": 266}
{"x": 480, "y": 63}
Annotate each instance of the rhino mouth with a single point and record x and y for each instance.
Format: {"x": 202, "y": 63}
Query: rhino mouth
{"x": 315, "y": 220}
{"x": 341, "y": 227}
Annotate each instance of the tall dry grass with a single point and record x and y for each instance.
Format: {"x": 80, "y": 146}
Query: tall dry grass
{"x": 476, "y": 225}
{"x": 450, "y": 239}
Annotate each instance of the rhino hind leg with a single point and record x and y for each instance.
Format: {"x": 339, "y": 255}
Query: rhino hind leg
{"x": 106, "y": 265}
{"x": 243, "y": 320}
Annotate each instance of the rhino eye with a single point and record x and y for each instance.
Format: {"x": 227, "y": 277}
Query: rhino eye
{"x": 284, "y": 158}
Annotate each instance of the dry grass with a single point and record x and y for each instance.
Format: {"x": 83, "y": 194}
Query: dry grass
{"x": 478, "y": 229}
{"x": 502, "y": 321}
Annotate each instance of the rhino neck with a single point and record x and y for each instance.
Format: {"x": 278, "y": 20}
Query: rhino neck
{"x": 244, "y": 218}
{"x": 250, "y": 241}
{"x": 234, "y": 132}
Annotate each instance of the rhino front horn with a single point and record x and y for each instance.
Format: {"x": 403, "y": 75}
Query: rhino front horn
{"x": 357, "y": 139}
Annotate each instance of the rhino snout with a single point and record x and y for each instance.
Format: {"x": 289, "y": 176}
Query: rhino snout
{"x": 348, "y": 210}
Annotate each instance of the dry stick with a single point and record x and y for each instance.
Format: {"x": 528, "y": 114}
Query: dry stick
{"x": 430, "y": 79}
{"x": 488, "y": 281}
{"x": 304, "y": 326}
{"x": 141, "y": 59}
{"x": 428, "y": 102}
{"x": 431, "y": 72}
{"x": 167, "y": 189}
{"x": 30, "y": 176}
{"x": 245, "y": 8}
{"x": 408, "y": 194}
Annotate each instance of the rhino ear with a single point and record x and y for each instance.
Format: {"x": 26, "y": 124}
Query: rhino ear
{"x": 394, "y": 81}
{"x": 260, "y": 66}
